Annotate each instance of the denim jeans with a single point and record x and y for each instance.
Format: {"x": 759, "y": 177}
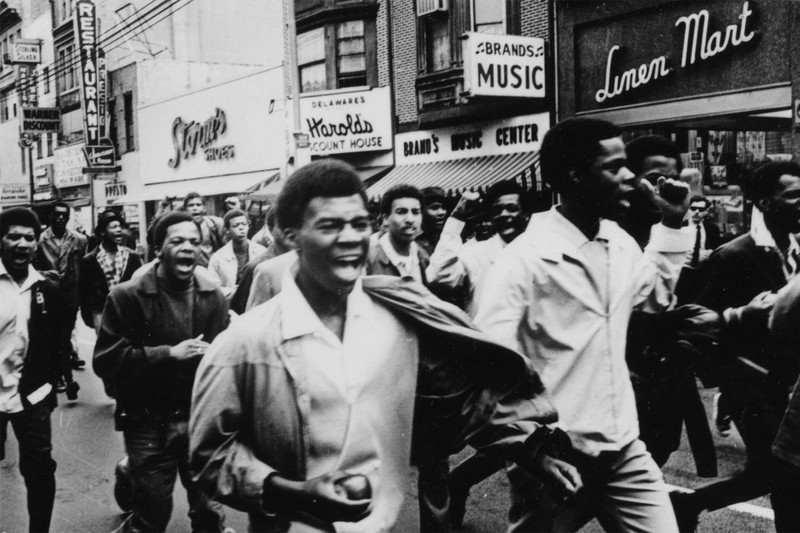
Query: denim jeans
{"x": 34, "y": 435}
{"x": 158, "y": 451}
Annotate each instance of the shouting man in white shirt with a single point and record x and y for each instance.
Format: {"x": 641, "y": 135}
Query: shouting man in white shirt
{"x": 562, "y": 293}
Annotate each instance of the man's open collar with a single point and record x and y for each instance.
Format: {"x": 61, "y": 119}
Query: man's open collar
{"x": 297, "y": 317}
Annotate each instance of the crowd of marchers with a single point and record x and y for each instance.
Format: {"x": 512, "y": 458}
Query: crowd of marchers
{"x": 301, "y": 376}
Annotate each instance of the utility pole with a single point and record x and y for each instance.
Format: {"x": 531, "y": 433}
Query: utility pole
{"x": 300, "y": 146}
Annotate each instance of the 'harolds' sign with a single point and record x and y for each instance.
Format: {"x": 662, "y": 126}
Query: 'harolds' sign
{"x": 86, "y": 42}
{"x": 343, "y": 122}
{"x": 503, "y": 65}
{"x": 700, "y": 42}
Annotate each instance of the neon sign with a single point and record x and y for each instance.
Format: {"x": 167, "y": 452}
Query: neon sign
{"x": 698, "y": 45}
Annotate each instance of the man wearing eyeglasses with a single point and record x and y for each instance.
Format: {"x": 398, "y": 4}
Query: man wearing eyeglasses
{"x": 708, "y": 235}
{"x": 61, "y": 250}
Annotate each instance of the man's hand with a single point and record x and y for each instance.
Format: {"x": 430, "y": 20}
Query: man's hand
{"x": 560, "y": 476}
{"x": 189, "y": 349}
{"x": 466, "y": 205}
{"x": 672, "y": 198}
{"x": 321, "y": 497}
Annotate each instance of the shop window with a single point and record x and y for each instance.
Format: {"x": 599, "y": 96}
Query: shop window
{"x": 337, "y": 55}
{"x": 127, "y": 104}
{"x": 49, "y": 140}
{"x": 39, "y": 147}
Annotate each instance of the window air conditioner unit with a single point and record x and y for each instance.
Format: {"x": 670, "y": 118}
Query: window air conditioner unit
{"x": 425, "y": 7}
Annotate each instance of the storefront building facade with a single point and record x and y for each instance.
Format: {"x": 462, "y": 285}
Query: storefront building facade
{"x": 473, "y": 93}
{"x": 719, "y": 78}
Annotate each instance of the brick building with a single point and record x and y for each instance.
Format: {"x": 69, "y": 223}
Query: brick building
{"x": 472, "y": 90}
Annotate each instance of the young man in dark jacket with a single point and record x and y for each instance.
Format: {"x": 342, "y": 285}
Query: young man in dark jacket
{"x": 154, "y": 331}
{"x": 104, "y": 267}
{"x": 30, "y": 318}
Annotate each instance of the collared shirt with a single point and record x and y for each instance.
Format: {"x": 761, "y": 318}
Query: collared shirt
{"x": 454, "y": 264}
{"x": 565, "y": 301}
{"x": 113, "y": 265}
{"x": 14, "y": 316}
{"x": 353, "y": 423}
{"x": 223, "y": 265}
{"x": 763, "y": 237}
{"x": 407, "y": 265}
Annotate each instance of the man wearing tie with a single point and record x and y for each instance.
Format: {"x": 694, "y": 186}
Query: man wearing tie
{"x": 707, "y": 233}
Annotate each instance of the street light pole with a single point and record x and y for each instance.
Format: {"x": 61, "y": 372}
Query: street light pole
{"x": 301, "y": 153}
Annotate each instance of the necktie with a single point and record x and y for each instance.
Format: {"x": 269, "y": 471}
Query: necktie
{"x": 697, "y": 240}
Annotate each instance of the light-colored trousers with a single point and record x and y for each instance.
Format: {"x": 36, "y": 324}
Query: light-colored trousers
{"x": 624, "y": 490}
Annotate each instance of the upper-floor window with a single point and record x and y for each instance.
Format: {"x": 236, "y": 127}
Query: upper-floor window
{"x": 489, "y": 16}
{"x": 66, "y": 10}
{"x": 336, "y": 55}
{"x": 439, "y": 31}
{"x": 66, "y": 68}
{"x": 127, "y": 104}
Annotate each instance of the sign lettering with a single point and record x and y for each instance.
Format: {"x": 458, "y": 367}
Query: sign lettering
{"x": 187, "y": 137}
{"x": 509, "y": 136}
{"x": 86, "y": 43}
{"x": 354, "y": 122}
{"x": 699, "y": 44}
{"x": 504, "y": 65}
{"x": 41, "y": 119}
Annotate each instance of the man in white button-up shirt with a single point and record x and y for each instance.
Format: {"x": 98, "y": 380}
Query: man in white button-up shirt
{"x": 562, "y": 293}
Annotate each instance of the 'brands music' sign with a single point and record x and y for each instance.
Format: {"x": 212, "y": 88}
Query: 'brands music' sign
{"x": 503, "y": 65}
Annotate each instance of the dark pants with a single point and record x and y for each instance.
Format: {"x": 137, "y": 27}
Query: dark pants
{"x": 158, "y": 452}
{"x": 758, "y": 422}
{"x": 433, "y": 495}
{"x": 32, "y": 429}
{"x": 65, "y": 341}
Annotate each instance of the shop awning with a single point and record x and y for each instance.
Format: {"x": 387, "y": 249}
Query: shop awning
{"x": 459, "y": 174}
{"x": 231, "y": 184}
{"x": 274, "y": 186}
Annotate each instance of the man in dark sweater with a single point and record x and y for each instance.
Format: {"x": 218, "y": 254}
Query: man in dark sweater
{"x": 30, "y": 318}
{"x": 155, "y": 330}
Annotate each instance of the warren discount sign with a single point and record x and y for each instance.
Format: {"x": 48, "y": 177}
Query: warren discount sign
{"x": 41, "y": 119}
{"x": 503, "y": 65}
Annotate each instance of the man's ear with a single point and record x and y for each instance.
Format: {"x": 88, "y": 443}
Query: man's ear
{"x": 764, "y": 204}
{"x": 290, "y": 237}
{"x": 573, "y": 180}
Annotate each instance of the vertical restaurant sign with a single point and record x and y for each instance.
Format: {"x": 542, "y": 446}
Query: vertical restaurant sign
{"x": 86, "y": 43}
{"x": 342, "y": 122}
{"x": 503, "y": 65}
{"x": 102, "y": 92}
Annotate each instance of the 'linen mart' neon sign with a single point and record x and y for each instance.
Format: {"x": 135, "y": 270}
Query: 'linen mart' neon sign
{"x": 698, "y": 45}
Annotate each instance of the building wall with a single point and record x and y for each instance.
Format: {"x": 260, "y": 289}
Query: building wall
{"x": 121, "y": 81}
{"x": 404, "y": 58}
{"x": 534, "y": 18}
